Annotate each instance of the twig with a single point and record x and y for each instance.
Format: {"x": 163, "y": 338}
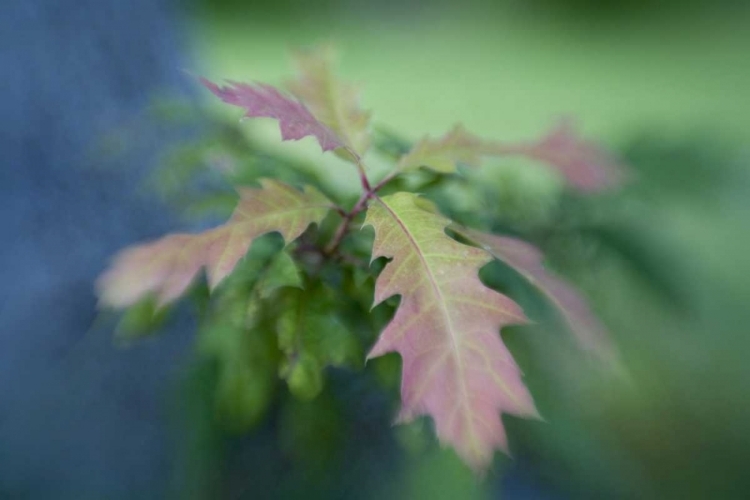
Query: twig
{"x": 361, "y": 169}
{"x": 369, "y": 192}
{"x": 341, "y": 230}
{"x": 388, "y": 178}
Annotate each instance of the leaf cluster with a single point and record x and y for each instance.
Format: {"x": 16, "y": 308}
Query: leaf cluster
{"x": 288, "y": 286}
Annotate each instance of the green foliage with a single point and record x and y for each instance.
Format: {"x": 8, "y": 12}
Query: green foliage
{"x": 141, "y": 319}
{"x": 282, "y": 314}
{"x": 312, "y": 337}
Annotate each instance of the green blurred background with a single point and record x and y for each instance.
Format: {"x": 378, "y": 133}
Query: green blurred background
{"x": 506, "y": 68}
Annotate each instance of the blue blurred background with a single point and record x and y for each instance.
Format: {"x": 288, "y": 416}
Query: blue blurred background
{"x": 662, "y": 83}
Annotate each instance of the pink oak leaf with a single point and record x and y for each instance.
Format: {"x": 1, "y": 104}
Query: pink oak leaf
{"x": 261, "y": 100}
{"x": 456, "y": 368}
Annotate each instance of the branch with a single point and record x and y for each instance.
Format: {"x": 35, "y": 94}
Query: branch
{"x": 341, "y": 230}
{"x": 369, "y": 192}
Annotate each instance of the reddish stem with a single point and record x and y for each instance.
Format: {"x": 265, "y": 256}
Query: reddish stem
{"x": 361, "y": 204}
{"x": 388, "y": 178}
{"x": 341, "y": 230}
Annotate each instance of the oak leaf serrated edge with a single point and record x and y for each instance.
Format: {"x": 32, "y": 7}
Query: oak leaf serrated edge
{"x": 443, "y": 154}
{"x": 334, "y": 102}
{"x": 528, "y": 261}
{"x": 165, "y": 268}
{"x": 261, "y": 100}
{"x": 456, "y": 368}
{"x": 584, "y": 165}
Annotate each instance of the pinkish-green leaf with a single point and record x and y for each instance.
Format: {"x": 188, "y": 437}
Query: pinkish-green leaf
{"x": 442, "y": 155}
{"x": 583, "y": 164}
{"x": 456, "y": 368}
{"x": 165, "y": 268}
{"x": 261, "y": 100}
{"x": 333, "y": 101}
{"x": 527, "y": 260}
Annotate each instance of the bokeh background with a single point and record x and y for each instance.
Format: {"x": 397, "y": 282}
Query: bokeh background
{"x": 96, "y": 95}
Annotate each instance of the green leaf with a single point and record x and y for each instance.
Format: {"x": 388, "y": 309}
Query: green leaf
{"x": 142, "y": 319}
{"x": 304, "y": 376}
{"x": 240, "y": 339}
{"x": 246, "y": 357}
{"x": 456, "y": 368}
{"x": 311, "y": 337}
{"x": 246, "y": 382}
{"x": 281, "y": 272}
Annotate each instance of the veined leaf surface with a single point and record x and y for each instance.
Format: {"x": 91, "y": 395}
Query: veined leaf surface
{"x": 167, "y": 266}
{"x": 261, "y": 100}
{"x": 311, "y": 337}
{"x": 332, "y": 101}
{"x": 527, "y": 260}
{"x": 456, "y": 368}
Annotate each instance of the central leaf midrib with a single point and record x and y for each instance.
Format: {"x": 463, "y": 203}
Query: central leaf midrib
{"x": 437, "y": 291}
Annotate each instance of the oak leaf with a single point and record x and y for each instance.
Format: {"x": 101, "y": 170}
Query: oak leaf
{"x": 442, "y": 155}
{"x": 332, "y": 101}
{"x": 235, "y": 336}
{"x": 261, "y": 100}
{"x": 527, "y": 260}
{"x": 312, "y": 337}
{"x": 456, "y": 368}
{"x": 165, "y": 268}
{"x": 584, "y": 165}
